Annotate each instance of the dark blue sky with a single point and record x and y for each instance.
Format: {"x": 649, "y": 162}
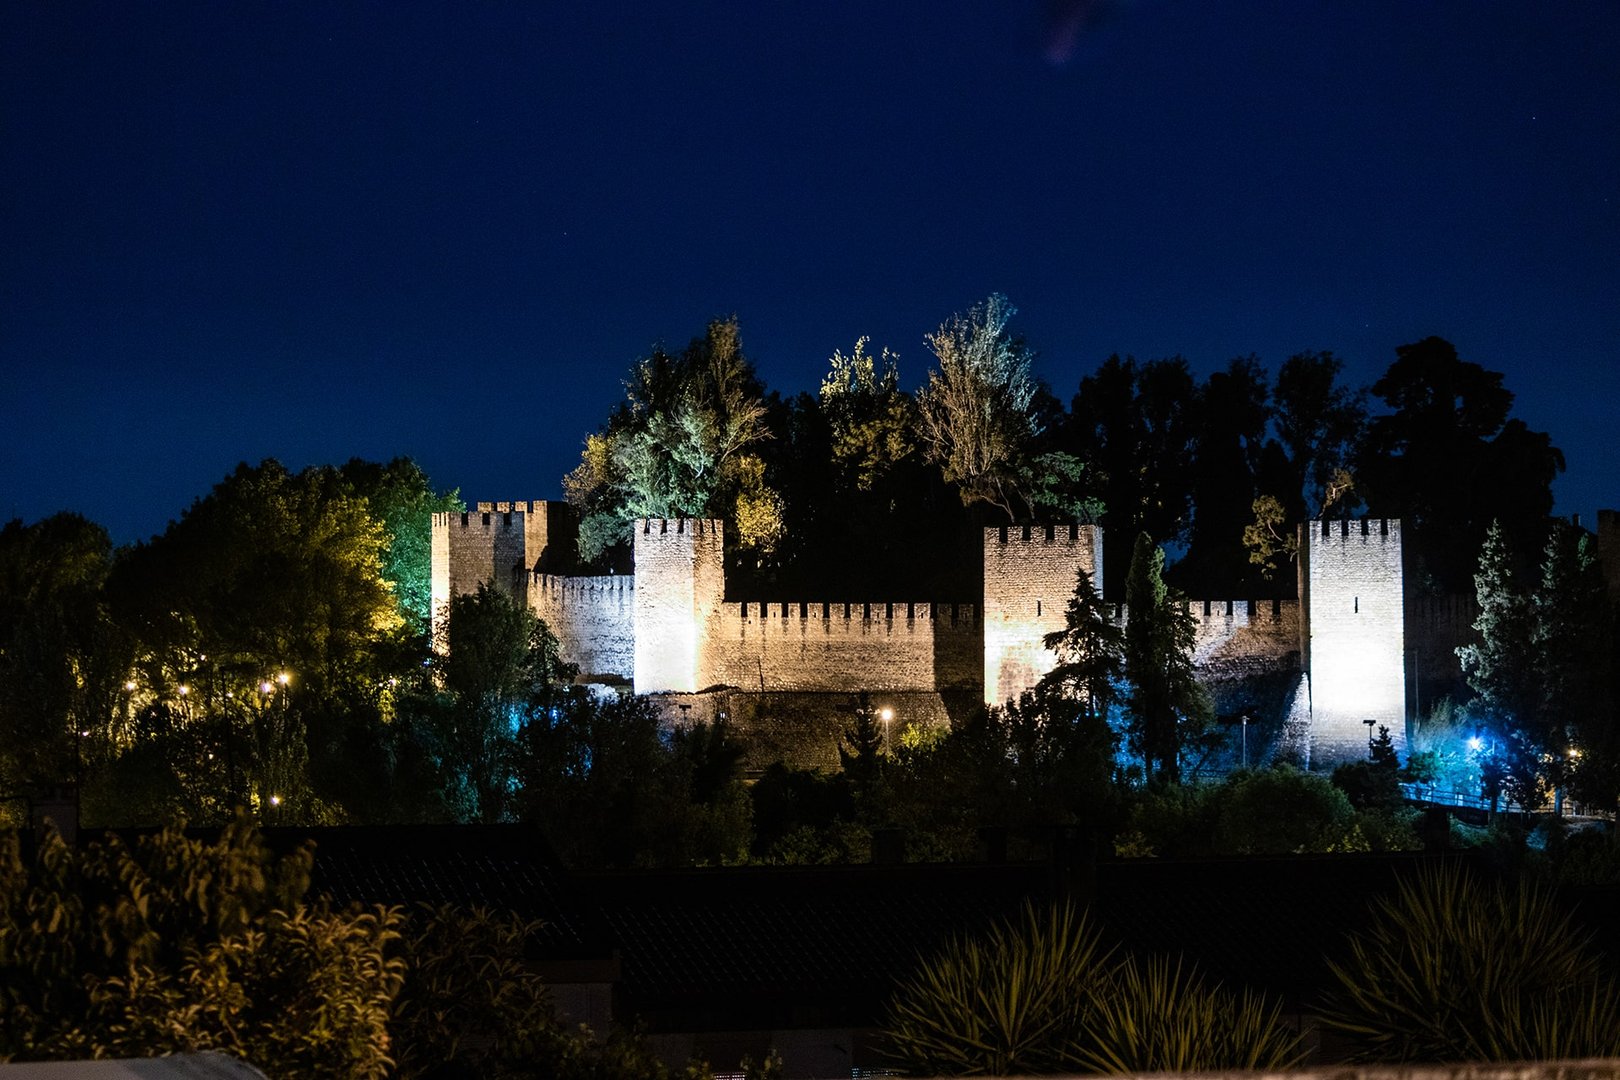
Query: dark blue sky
{"x": 316, "y": 231}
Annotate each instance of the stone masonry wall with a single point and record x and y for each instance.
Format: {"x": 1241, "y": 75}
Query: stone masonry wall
{"x": 680, "y": 582}
{"x": 1029, "y": 576}
{"x": 1235, "y": 639}
{"x": 594, "y": 619}
{"x": 848, "y": 646}
{"x": 487, "y": 545}
{"x": 1355, "y": 627}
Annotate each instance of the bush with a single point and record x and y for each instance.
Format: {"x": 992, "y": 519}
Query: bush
{"x": 1157, "y": 1017}
{"x": 1456, "y": 971}
{"x": 1006, "y": 1003}
{"x": 174, "y": 945}
{"x": 1043, "y": 995}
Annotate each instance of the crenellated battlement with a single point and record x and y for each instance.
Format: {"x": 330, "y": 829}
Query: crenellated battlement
{"x": 1041, "y": 534}
{"x": 1326, "y": 533}
{"x": 597, "y": 585}
{"x": 851, "y": 611}
{"x": 712, "y": 528}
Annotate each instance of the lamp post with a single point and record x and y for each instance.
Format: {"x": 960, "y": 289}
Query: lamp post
{"x": 887, "y": 714}
{"x": 1244, "y": 719}
{"x": 1369, "y": 722}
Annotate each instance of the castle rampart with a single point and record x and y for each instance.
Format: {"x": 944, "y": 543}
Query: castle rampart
{"x": 594, "y": 620}
{"x": 668, "y": 629}
{"x": 838, "y": 646}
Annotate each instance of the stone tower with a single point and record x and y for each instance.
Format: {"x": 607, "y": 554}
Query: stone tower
{"x": 1029, "y": 577}
{"x": 680, "y": 582}
{"x": 1353, "y": 628}
{"x": 500, "y": 544}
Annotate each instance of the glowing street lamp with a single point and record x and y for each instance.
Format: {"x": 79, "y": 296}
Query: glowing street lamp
{"x": 887, "y": 714}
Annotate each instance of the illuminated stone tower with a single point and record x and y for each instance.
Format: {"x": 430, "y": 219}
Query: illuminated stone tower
{"x": 680, "y": 582}
{"x": 1029, "y": 577}
{"x": 1354, "y": 635}
{"x": 498, "y": 544}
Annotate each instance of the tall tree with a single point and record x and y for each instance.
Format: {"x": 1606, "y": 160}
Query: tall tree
{"x": 1319, "y": 424}
{"x": 1448, "y": 459}
{"x": 62, "y": 662}
{"x": 1169, "y": 710}
{"x": 1226, "y": 460}
{"x": 675, "y": 447}
{"x": 1090, "y": 652}
{"x": 1135, "y": 427}
{"x": 1501, "y": 670}
{"x": 1574, "y": 650}
{"x": 402, "y": 500}
{"x": 976, "y": 415}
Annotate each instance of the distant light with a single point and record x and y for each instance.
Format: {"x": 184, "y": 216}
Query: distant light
{"x": 887, "y": 714}
{"x": 202, "y": 656}
{"x": 129, "y": 685}
{"x": 282, "y": 678}
{"x": 275, "y": 800}
{"x": 1476, "y": 743}
{"x": 84, "y": 734}
{"x": 265, "y": 687}
{"x": 1574, "y": 753}
{"x": 184, "y": 689}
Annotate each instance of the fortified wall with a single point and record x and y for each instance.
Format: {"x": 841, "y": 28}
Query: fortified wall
{"x": 670, "y": 629}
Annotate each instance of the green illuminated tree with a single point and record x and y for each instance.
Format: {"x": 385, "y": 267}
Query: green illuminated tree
{"x": 402, "y": 500}
{"x": 873, "y": 422}
{"x": 674, "y": 446}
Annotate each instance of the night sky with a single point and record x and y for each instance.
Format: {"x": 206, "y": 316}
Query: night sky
{"x": 314, "y": 231}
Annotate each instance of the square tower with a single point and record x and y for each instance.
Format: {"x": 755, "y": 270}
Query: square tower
{"x": 680, "y": 582}
{"x": 1029, "y": 577}
{"x": 1355, "y": 640}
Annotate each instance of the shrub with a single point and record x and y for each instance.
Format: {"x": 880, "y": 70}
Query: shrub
{"x": 1158, "y": 1017}
{"x": 173, "y": 944}
{"x": 1456, "y": 971}
{"x": 1006, "y": 1003}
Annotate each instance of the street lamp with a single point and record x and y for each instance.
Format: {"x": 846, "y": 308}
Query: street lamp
{"x": 887, "y": 714}
{"x": 1369, "y": 722}
{"x": 1244, "y": 719}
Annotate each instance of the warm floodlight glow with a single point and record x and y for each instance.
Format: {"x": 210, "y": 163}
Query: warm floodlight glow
{"x": 887, "y": 714}
{"x": 282, "y": 678}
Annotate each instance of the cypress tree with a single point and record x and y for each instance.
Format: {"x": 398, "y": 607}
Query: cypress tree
{"x": 1169, "y": 710}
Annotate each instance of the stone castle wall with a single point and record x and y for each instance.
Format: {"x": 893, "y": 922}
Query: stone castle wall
{"x": 842, "y": 646}
{"x": 668, "y": 628}
{"x": 594, "y": 620}
{"x": 1236, "y": 639}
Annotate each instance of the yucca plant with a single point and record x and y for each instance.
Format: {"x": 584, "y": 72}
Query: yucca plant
{"x": 1006, "y": 1003}
{"x": 1457, "y": 971}
{"x": 1160, "y": 1016}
